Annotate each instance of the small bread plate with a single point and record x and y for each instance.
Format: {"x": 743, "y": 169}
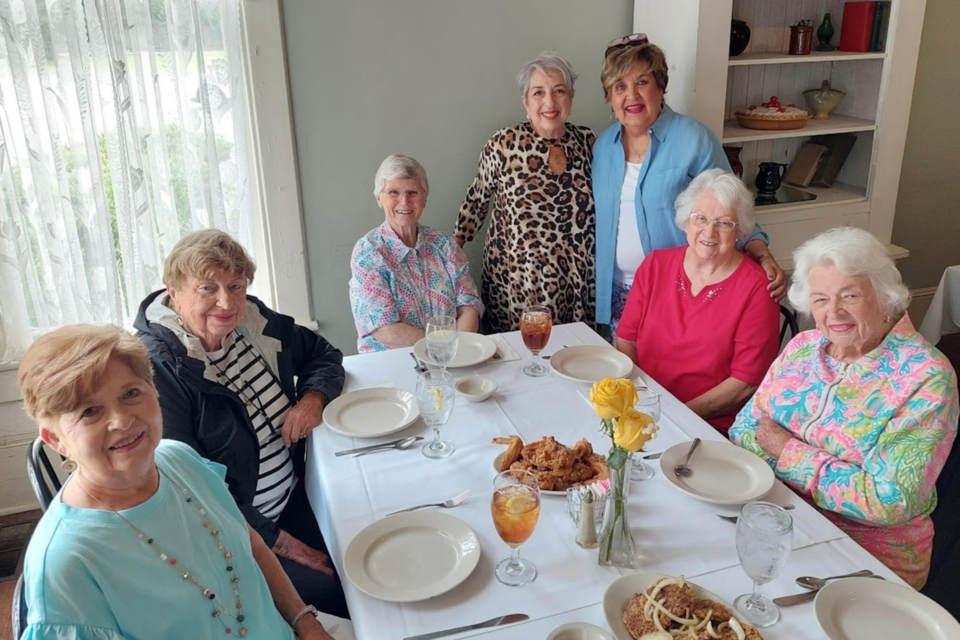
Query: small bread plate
{"x": 579, "y": 631}
{"x": 373, "y": 412}
{"x": 590, "y": 364}
{"x": 476, "y": 389}
{"x": 723, "y": 473}
{"x": 865, "y": 609}
{"x": 410, "y": 557}
{"x": 472, "y": 349}
{"x": 618, "y": 594}
{"x": 563, "y": 494}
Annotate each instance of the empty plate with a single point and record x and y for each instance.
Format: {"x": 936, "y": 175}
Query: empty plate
{"x": 865, "y": 609}
{"x": 590, "y": 364}
{"x": 368, "y": 413}
{"x": 472, "y": 349}
{"x": 412, "y": 556}
{"x": 723, "y": 473}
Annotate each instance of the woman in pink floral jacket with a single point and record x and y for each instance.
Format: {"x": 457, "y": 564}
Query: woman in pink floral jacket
{"x": 860, "y": 414}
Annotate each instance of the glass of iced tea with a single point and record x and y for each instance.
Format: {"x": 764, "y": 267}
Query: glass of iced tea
{"x": 516, "y": 508}
{"x": 535, "y": 325}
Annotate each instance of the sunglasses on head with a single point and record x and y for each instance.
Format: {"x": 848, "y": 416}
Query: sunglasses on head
{"x": 632, "y": 40}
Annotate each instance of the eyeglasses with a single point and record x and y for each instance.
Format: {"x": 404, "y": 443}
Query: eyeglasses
{"x": 724, "y": 225}
{"x": 395, "y": 194}
{"x": 632, "y": 40}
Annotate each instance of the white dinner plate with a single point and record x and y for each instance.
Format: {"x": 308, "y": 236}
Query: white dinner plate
{"x": 410, "y": 557}
{"x": 866, "y": 608}
{"x": 618, "y": 595}
{"x": 723, "y": 473}
{"x": 590, "y": 364}
{"x": 368, "y": 413}
{"x": 472, "y": 349}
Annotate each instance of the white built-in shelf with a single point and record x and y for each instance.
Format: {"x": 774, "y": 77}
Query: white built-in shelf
{"x": 733, "y": 132}
{"x": 782, "y": 57}
{"x": 839, "y": 193}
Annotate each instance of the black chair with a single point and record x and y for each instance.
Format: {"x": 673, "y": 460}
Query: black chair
{"x": 788, "y": 327}
{"x": 943, "y": 583}
{"x": 42, "y": 475}
{"x": 18, "y": 610}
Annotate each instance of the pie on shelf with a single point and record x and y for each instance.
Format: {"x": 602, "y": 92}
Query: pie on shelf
{"x": 773, "y": 116}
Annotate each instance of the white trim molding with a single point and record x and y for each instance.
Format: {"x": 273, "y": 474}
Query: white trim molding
{"x": 275, "y": 166}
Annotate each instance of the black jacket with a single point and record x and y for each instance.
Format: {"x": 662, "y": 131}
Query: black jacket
{"x": 213, "y": 419}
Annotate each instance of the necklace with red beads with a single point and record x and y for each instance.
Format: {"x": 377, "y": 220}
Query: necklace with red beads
{"x": 220, "y": 612}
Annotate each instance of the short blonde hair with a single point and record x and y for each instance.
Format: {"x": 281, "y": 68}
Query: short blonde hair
{"x": 620, "y": 62}
{"x": 64, "y": 367}
{"x": 202, "y": 254}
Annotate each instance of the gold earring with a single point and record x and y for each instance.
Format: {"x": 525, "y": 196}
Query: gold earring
{"x": 69, "y": 466}
{"x": 179, "y": 320}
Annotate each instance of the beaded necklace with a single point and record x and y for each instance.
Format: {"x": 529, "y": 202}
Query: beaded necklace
{"x": 219, "y": 611}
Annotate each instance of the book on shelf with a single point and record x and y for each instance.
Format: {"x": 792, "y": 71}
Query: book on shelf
{"x": 883, "y": 24}
{"x": 875, "y": 34}
{"x": 838, "y": 147}
{"x": 805, "y": 165}
{"x": 856, "y": 30}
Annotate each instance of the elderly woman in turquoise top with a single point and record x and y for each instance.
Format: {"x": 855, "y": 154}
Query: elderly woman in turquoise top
{"x": 860, "y": 414}
{"x": 641, "y": 163}
{"x": 144, "y": 541}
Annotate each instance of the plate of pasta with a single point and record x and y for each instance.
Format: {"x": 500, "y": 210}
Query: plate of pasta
{"x": 645, "y": 606}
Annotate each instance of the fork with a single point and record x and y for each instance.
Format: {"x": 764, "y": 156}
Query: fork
{"x": 733, "y": 519}
{"x": 418, "y": 367}
{"x": 446, "y": 504}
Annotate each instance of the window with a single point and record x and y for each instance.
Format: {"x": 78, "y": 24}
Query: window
{"x": 123, "y": 126}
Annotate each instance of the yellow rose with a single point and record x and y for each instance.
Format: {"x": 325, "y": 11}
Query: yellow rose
{"x": 633, "y": 430}
{"x": 611, "y": 397}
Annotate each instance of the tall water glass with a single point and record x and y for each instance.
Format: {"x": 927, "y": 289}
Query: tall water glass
{"x": 515, "y": 507}
{"x": 435, "y": 398}
{"x": 764, "y": 541}
{"x": 649, "y": 403}
{"x": 536, "y": 323}
{"x": 443, "y": 338}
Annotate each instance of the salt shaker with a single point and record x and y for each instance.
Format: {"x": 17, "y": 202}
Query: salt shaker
{"x": 587, "y": 527}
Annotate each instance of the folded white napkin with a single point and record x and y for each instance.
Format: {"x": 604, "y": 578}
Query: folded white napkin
{"x": 504, "y": 352}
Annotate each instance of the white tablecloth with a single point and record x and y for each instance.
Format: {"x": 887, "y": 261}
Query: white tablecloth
{"x": 943, "y": 316}
{"x": 676, "y": 534}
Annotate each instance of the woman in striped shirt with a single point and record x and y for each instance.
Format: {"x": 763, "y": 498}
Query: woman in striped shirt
{"x": 244, "y": 386}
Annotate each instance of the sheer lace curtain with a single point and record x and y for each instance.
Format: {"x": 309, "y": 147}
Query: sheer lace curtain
{"x": 123, "y": 127}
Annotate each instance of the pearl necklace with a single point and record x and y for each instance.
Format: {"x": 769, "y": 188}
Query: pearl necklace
{"x": 219, "y": 611}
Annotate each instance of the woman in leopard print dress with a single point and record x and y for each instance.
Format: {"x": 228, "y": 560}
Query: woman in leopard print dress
{"x": 540, "y": 245}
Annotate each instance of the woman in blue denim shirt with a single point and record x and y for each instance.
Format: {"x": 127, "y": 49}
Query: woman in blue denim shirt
{"x": 640, "y": 165}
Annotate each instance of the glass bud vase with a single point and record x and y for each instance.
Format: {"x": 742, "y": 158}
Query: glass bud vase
{"x": 617, "y": 546}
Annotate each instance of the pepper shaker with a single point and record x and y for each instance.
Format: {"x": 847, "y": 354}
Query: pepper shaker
{"x": 587, "y": 527}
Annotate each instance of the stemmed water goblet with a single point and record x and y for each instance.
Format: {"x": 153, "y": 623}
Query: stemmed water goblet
{"x": 648, "y": 402}
{"x": 442, "y": 339}
{"x": 515, "y": 507}
{"x": 764, "y": 542}
{"x": 536, "y": 322}
{"x": 435, "y": 398}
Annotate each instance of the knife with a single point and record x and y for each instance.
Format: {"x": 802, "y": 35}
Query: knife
{"x": 800, "y": 598}
{"x": 653, "y": 456}
{"x": 492, "y": 622}
{"x": 368, "y": 447}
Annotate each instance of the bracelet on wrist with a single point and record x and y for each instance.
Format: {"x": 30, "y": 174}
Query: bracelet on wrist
{"x": 309, "y": 609}
{"x": 318, "y": 393}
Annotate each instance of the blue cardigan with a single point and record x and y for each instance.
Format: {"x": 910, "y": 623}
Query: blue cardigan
{"x": 680, "y": 148}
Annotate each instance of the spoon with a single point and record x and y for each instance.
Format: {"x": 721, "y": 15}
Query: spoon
{"x": 406, "y": 443}
{"x": 810, "y": 582}
{"x": 683, "y": 470}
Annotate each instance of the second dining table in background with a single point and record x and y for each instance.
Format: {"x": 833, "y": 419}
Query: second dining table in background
{"x": 675, "y": 534}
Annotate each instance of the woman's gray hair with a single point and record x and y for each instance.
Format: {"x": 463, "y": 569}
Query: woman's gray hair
{"x": 400, "y": 167}
{"x": 855, "y": 252}
{"x": 546, "y": 61}
{"x": 730, "y": 192}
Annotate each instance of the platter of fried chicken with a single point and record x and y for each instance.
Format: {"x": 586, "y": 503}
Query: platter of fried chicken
{"x": 556, "y": 466}
{"x": 643, "y": 606}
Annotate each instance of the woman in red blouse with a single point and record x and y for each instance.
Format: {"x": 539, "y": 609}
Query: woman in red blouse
{"x": 699, "y": 319}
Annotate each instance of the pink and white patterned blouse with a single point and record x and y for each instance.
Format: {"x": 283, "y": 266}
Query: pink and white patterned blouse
{"x": 392, "y": 282}
{"x": 871, "y": 437}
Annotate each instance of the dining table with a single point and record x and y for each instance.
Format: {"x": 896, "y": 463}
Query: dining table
{"x": 943, "y": 314}
{"x": 675, "y": 533}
